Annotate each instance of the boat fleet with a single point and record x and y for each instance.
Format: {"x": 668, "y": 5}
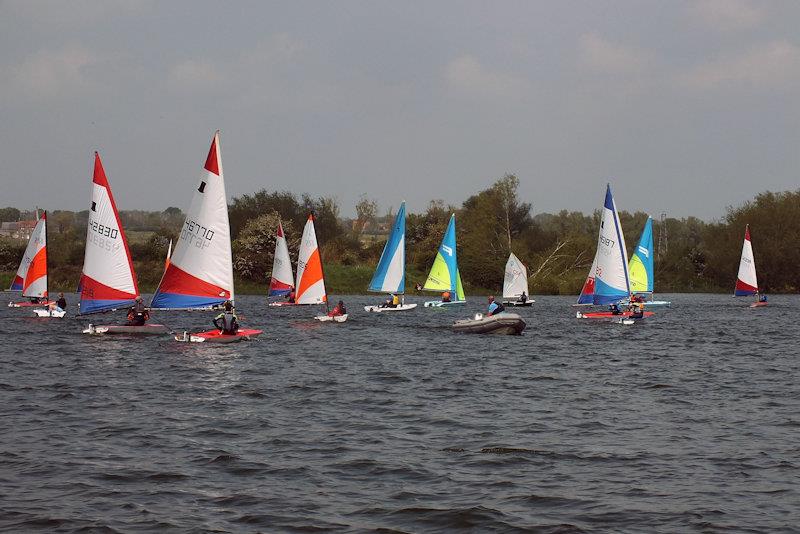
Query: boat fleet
{"x": 198, "y": 273}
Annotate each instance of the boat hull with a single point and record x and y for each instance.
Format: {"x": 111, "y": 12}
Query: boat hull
{"x": 758, "y": 305}
{"x": 281, "y": 304}
{"x": 43, "y": 312}
{"x": 329, "y": 319}
{"x": 518, "y": 304}
{"x": 502, "y": 324}
{"x": 214, "y": 336}
{"x": 440, "y": 304}
{"x": 398, "y": 308}
{"x": 148, "y": 329}
{"x": 608, "y": 315}
{"x": 28, "y": 304}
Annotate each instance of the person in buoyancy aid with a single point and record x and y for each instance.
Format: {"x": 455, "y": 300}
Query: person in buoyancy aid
{"x": 227, "y": 321}
{"x": 60, "y": 304}
{"x": 290, "y": 297}
{"x": 762, "y": 297}
{"x": 337, "y": 310}
{"x": 637, "y": 310}
{"x": 614, "y": 309}
{"x": 523, "y": 298}
{"x": 446, "y": 296}
{"x": 138, "y": 314}
{"x": 495, "y": 307}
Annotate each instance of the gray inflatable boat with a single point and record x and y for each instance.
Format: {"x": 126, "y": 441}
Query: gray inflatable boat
{"x": 503, "y": 323}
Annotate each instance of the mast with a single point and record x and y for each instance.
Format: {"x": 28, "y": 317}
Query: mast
{"x": 46, "y": 261}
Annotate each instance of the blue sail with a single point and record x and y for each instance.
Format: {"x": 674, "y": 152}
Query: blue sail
{"x": 390, "y": 275}
{"x": 641, "y": 264}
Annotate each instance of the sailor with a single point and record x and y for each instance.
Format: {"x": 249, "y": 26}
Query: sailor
{"x": 290, "y": 297}
{"x": 60, "y": 304}
{"x": 494, "y": 307}
{"x": 762, "y": 297}
{"x": 227, "y": 321}
{"x": 446, "y": 296}
{"x": 138, "y": 314}
{"x": 395, "y": 300}
{"x": 338, "y": 310}
{"x": 523, "y": 298}
{"x": 614, "y": 309}
{"x": 637, "y": 310}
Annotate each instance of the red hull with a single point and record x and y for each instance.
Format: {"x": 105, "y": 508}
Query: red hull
{"x": 609, "y": 315}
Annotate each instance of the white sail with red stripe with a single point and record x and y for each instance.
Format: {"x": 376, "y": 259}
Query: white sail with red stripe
{"x": 310, "y": 288}
{"x": 200, "y": 271}
{"x": 282, "y": 281}
{"x": 108, "y": 280}
{"x": 35, "y": 281}
{"x": 746, "y": 281}
{"x": 19, "y": 278}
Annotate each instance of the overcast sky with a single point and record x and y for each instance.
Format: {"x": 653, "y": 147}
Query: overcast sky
{"x": 684, "y": 106}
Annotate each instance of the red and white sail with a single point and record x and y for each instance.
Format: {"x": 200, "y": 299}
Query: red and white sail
{"x": 19, "y": 278}
{"x": 282, "y": 281}
{"x": 200, "y": 272}
{"x": 108, "y": 280}
{"x": 35, "y": 282}
{"x": 746, "y": 281}
{"x": 310, "y": 288}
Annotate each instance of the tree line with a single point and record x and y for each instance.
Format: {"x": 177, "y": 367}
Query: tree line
{"x": 558, "y": 248}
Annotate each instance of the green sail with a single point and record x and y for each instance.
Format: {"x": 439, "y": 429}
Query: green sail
{"x": 459, "y": 287}
{"x": 439, "y": 277}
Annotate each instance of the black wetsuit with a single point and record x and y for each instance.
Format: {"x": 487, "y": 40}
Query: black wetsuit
{"x": 62, "y": 303}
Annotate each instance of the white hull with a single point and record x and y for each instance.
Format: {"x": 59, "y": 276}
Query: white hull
{"x": 398, "y": 308}
{"x": 328, "y": 318}
{"x": 440, "y": 304}
{"x": 41, "y": 312}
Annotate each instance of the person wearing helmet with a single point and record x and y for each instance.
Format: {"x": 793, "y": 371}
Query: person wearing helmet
{"x": 227, "y": 322}
{"x": 138, "y": 314}
{"x": 495, "y": 307}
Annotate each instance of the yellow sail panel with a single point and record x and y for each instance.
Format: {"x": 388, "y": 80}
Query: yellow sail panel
{"x": 459, "y": 287}
{"x": 638, "y": 275}
{"x": 439, "y": 277}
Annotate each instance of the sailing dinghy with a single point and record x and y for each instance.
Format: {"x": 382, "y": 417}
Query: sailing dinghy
{"x": 390, "y": 274}
{"x": 515, "y": 283}
{"x": 310, "y": 274}
{"x": 281, "y": 283}
{"x": 611, "y": 283}
{"x": 746, "y": 280}
{"x": 444, "y": 275}
{"x": 108, "y": 281}
{"x": 19, "y": 279}
{"x": 36, "y": 284}
{"x": 199, "y": 275}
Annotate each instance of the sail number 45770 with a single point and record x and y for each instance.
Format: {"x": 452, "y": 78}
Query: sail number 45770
{"x": 197, "y": 234}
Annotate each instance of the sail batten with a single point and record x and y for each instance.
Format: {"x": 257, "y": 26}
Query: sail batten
{"x": 390, "y": 274}
{"x": 200, "y": 271}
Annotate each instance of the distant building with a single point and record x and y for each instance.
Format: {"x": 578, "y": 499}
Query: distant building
{"x": 17, "y": 229}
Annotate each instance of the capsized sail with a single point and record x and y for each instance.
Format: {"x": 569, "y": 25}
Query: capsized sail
{"x": 19, "y": 277}
{"x": 587, "y": 291}
{"x": 515, "y": 281}
{"x": 282, "y": 281}
{"x": 108, "y": 280}
{"x": 390, "y": 275}
{"x": 746, "y": 281}
{"x": 35, "y": 282}
{"x": 612, "y": 283}
{"x": 310, "y": 280}
{"x": 444, "y": 275}
{"x": 641, "y": 265}
{"x": 200, "y": 272}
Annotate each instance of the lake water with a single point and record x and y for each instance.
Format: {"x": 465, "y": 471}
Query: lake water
{"x": 689, "y": 421}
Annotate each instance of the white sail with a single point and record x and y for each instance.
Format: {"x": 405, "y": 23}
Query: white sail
{"x": 515, "y": 282}
{"x": 746, "y": 281}
{"x": 611, "y": 275}
{"x": 282, "y": 281}
{"x": 35, "y": 283}
{"x": 200, "y": 271}
{"x": 310, "y": 288}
